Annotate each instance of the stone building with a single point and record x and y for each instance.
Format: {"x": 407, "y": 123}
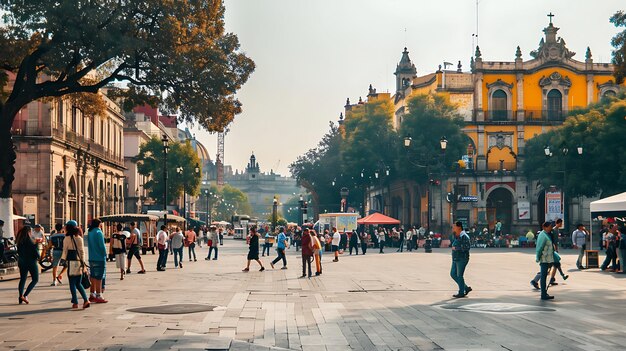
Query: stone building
{"x": 69, "y": 165}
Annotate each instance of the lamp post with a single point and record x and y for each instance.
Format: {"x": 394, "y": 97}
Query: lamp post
{"x": 443, "y": 144}
{"x": 166, "y": 147}
{"x": 274, "y": 214}
{"x": 564, "y": 151}
{"x": 301, "y": 210}
{"x": 180, "y": 171}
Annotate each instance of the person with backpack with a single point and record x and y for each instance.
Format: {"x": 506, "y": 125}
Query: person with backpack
{"x": 56, "y": 245}
{"x": 118, "y": 247}
{"x": 460, "y": 258}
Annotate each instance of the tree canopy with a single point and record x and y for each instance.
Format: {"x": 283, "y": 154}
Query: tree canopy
{"x": 176, "y": 51}
{"x": 619, "y": 43}
{"x": 429, "y": 118}
{"x": 150, "y": 163}
{"x": 599, "y": 130}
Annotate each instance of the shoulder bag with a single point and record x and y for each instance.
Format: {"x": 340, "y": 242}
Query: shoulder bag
{"x": 84, "y": 280}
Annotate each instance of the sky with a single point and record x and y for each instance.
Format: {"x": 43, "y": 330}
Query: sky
{"x": 311, "y": 55}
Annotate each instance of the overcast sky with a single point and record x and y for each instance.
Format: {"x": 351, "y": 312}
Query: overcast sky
{"x": 313, "y": 54}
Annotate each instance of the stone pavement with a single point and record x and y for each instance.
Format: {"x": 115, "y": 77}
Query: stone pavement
{"x": 393, "y": 301}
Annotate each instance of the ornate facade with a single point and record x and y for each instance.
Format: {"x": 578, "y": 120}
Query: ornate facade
{"x": 69, "y": 165}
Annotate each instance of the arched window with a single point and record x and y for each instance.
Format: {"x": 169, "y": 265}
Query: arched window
{"x": 555, "y": 105}
{"x": 609, "y": 94}
{"x": 499, "y": 108}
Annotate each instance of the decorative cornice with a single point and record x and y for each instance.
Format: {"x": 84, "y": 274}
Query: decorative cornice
{"x": 499, "y": 83}
{"x": 557, "y": 78}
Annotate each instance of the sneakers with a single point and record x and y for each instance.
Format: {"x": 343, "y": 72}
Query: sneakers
{"x": 54, "y": 283}
{"x": 85, "y": 305}
{"x": 262, "y": 269}
{"x": 59, "y": 280}
{"x": 74, "y": 306}
{"x": 458, "y": 296}
{"x": 285, "y": 267}
{"x": 245, "y": 270}
{"x": 468, "y": 290}
{"x": 547, "y": 297}
{"x": 553, "y": 282}
{"x": 92, "y": 298}
{"x": 99, "y": 299}
{"x": 565, "y": 277}
{"x": 181, "y": 265}
{"x": 535, "y": 284}
{"x": 128, "y": 271}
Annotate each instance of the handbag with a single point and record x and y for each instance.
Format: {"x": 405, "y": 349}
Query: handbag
{"x": 84, "y": 276}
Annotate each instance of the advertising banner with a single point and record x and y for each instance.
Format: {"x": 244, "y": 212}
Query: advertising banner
{"x": 554, "y": 205}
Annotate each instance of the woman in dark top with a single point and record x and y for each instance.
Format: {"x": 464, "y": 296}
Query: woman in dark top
{"x": 27, "y": 262}
{"x": 253, "y": 253}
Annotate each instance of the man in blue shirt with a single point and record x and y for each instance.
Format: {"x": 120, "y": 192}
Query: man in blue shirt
{"x": 281, "y": 245}
{"x": 97, "y": 260}
{"x": 460, "y": 258}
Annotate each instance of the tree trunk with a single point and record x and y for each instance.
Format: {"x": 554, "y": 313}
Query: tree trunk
{"x": 7, "y": 169}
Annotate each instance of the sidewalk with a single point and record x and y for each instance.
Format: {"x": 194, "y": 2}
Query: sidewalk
{"x": 393, "y": 301}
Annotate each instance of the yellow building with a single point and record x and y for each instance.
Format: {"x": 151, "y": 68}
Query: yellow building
{"x": 504, "y": 104}
{"x": 513, "y": 102}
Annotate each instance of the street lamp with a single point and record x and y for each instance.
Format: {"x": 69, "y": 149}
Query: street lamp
{"x": 564, "y": 150}
{"x": 166, "y": 146}
{"x": 301, "y": 210}
{"x": 180, "y": 170}
{"x": 274, "y": 214}
{"x": 443, "y": 142}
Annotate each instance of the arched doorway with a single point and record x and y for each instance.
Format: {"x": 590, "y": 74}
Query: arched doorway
{"x": 500, "y": 207}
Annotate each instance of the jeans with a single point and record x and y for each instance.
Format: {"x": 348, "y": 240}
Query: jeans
{"x": 74, "y": 285}
{"x": 192, "y": 251}
{"x": 281, "y": 255}
{"x": 401, "y": 249}
{"x": 409, "y": 245}
{"x": 355, "y": 246}
{"x": 306, "y": 262}
{"x": 581, "y": 254}
{"x": 25, "y": 268}
{"x": 211, "y": 250}
{"x": 610, "y": 258}
{"x": 456, "y": 272}
{"x": 266, "y": 247}
{"x": 363, "y": 248}
{"x": 544, "y": 276}
{"x": 381, "y": 245}
{"x": 178, "y": 253}
{"x": 162, "y": 261}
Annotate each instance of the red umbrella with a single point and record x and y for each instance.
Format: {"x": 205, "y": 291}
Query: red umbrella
{"x": 377, "y": 218}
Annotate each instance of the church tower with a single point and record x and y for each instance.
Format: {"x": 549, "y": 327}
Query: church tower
{"x": 405, "y": 72}
{"x": 253, "y": 168}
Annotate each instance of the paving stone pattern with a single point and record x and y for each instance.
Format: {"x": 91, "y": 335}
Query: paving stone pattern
{"x": 393, "y": 301}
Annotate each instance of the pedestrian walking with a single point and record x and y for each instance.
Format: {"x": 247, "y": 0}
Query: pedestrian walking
{"x": 555, "y": 236}
{"x": 220, "y": 233}
{"x": 26, "y": 262}
{"x": 176, "y": 240}
{"x": 611, "y": 256}
{"x": 335, "y": 244}
{"x": 162, "y": 239}
{"x": 213, "y": 242}
{"x": 401, "y": 240}
{"x": 133, "y": 249}
{"x": 381, "y": 239}
{"x": 354, "y": 242}
{"x": 364, "y": 241}
{"x": 267, "y": 244}
{"x": 118, "y": 247}
{"x": 317, "y": 251}
{"x": 621, "y": 249}
{"x": 97, "y": 260}
{"x": 307, "y": 253}
{"x": 74, "y": 257}
{"x": 281, "y": 245}
{"x": 56, "y": 245}
{"x": 544, "y": 255}
{"x": 253, "y": 250}
{"x": 460, "y": 258}
{"x": 343, "y": 241}
{"x": 409, "y": 239}
{"x": 579, "y": 239}
{"x": 190, "y": 243}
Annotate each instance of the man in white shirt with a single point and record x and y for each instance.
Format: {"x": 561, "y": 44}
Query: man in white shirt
{"x": 381, "y": 239}
{"x": 579, "y": 238}
{"x": 409, "y": 239}
{"x": 162, "y": 238}
{"x": 335, "y": 244}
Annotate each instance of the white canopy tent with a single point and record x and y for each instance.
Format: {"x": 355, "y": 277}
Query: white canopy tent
{"x": 612, "y": 206}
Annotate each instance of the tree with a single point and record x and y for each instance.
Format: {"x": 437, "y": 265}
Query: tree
{"x": 619, "y": 43}
{"x": 318, "y": 168}
{"x": 232, "y": 201}
{"x": 429, "y": 118}
{"x": 599, "y": 130}
{"x": 177, "y": 51}
{"x": 150, "y": 163}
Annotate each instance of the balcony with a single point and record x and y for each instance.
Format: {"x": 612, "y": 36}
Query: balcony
{"x": 510, "y": 116}
{"x": 29, "y": 128}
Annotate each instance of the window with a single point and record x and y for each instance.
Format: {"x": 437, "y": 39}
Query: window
{"x": 102, "y": 132}
{"x": 609, "y": 94}
{"x": 60, "y": 114}
{"x": 499, "y": 105}
{"x": 555, "y": 105}
{"x": 92, "y": 132}
{"x": 463, "y": 190}
{"x": 74, "y": 119}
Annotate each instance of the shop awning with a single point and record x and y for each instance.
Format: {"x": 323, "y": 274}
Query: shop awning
{"x": 377, "y": 218}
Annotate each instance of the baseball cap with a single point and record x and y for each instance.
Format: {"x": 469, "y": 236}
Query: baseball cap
{"x": 71, "y": 223}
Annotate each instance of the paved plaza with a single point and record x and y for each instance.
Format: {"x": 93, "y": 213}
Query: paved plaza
{"x": 393, "y": 301}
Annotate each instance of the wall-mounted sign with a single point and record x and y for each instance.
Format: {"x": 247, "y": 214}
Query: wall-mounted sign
{"x": 523, "y": 210}
{"x": 468, "y": 198}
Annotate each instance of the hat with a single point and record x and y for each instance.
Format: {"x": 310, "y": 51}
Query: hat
{"x": 37, "y": 225}
{"x": 71, "y": 223}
